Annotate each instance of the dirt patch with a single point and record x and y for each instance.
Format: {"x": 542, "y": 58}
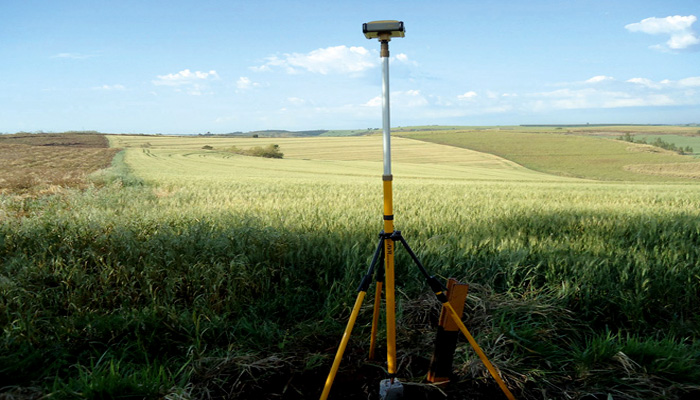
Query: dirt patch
{"x": 40, "y": 163}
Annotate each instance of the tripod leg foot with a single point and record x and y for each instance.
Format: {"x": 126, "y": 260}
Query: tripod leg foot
{"x": 390, "y": 389}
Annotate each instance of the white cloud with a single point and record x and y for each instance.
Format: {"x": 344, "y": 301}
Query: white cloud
{"x": 262, "y": 68}
{"x": 296, "y": 101}
{"x": 600, "y": 78}
{"x": 410, "y": 98}
{"x": 597, "y": 93}
{"x": 374, "y": 102}
{"x": 669, "y": 24}
{"x": 72, "y": 56}
{"x": 680, "y": 29}
{"x": 644, "y": 82}
{"x": 185, "y": 77}
{"x": 417, "y": 106}
{"x": 195, "y": 90}
{"x": 244, "y": 83}
{"x": 193, "y": 83}
{"x": 622, "y": 95}
{"x": 568, "y": 99}
{"x": 329, "y": 60}
{"x": 400, "y": 99}
{"x": 690, "y": 82}
{"x": 492, "y": 95}
{"x": 468, "y": 95}
{"x": 401, "y": 57}
{"x": 639, "y": 101}
{"x": 693, "y": 81}
{"x": 683, "y": 41}
{"x": 110, "y": 87}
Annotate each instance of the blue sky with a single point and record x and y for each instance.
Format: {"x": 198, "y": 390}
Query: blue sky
{"x": 222, "y": 66}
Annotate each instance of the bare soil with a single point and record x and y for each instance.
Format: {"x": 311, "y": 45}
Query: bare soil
{"x": 34, "y": 164}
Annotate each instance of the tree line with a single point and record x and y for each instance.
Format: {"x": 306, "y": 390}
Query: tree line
{"x": 658, "y": 142}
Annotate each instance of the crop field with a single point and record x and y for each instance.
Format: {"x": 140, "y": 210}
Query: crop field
{"x": 316, "y": 158}
{"x": 193, "y": 272}
{"x": 582, "y": 156}
{"x": 44, "y": 163}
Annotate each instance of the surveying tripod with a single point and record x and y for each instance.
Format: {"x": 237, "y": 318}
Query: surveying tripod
{"x": 384, "y": 31}
{"x": 384, "y": 254}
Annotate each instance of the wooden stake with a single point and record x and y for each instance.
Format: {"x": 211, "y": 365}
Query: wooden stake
{"x": 448, "y": 332}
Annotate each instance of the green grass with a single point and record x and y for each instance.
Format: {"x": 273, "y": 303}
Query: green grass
{"x": 598, "y": 130}
{"x": 202, "y": 273}
{"x": 638, "y": 129}
{"x": 571, "y": 155}
{"x": 678, "y": 140}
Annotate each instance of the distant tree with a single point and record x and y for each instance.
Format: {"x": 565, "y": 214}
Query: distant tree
{"x": 270, "y": 151}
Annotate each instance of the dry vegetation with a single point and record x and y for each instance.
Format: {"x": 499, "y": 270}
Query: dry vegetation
{"x": 689, "y": 170}
{"x": 41, "y": 163}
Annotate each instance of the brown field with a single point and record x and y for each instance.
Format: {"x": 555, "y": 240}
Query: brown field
{"x": 42, "y": 163}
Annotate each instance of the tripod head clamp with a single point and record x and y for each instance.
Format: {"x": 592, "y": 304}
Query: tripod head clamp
{"x": 384, "y": 31}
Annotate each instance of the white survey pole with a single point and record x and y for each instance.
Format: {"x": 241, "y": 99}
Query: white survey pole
{"x": 386, "y": 123}
{"x": 384, "y": 31}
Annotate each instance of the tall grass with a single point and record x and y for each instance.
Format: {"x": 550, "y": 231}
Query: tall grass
{"x": 179, "y": 277}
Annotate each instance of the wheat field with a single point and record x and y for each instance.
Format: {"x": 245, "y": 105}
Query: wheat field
{"x": 189, "y": 265}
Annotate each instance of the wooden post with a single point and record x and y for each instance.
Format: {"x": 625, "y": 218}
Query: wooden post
{"x": 447, "y": 334}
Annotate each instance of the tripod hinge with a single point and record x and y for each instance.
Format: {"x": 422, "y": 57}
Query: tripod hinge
{"x": 438, "y": 288}
{"x": 395, "y": 235}
{"x": 366, "y": 281}
{"x": 442, "y": 297}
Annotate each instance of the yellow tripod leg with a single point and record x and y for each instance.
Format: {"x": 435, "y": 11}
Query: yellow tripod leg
{"x": 390, "y": 308}
{"x": 389, "y": 276}
{"x": 343, "y": 345}
{"x": 478, "y": 351}
{"x": 375, "y": 319}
